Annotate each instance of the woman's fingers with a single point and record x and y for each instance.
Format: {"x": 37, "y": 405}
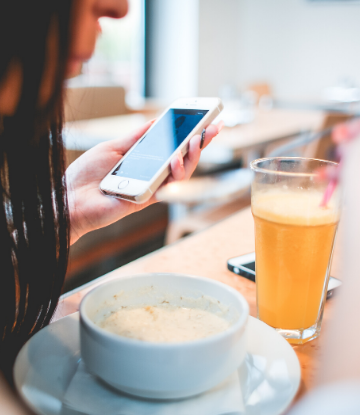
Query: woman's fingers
{"x": 183, "y": 168}
{"x": 345, "y": 132}
{"x": 124, "y": 144}
{"x": 211, "y": 131}
{"x": 194, "y": 153}
{"x": 193, "y": 156}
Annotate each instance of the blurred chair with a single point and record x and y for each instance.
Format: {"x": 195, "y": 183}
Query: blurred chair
{"x": 325, "y": 148}
{"x": 261, "y": 89}
{"x": 206, "y": 200}
{"x": 94, "y": 102}
{"x": 315, "y": 144}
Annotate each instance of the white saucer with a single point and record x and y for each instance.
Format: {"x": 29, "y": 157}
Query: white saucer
{"x": 46, "y": 364}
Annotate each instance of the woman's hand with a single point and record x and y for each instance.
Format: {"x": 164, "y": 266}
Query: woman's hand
{"x": 89, "y": 208}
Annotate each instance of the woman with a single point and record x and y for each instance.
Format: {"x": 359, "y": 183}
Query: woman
{"x": 42, "y": 42}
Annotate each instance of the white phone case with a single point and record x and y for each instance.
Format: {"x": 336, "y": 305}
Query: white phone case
{"x": 138, "y": 191}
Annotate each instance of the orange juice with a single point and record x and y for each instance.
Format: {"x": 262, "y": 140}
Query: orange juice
{"x": 294, "y": 240}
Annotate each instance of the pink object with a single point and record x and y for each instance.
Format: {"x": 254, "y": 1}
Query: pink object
{"x": 328, "y": 192}
{"x": 341, "y": 135}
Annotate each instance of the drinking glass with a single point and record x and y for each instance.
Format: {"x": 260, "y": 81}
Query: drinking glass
{"x": 294, "y": 239}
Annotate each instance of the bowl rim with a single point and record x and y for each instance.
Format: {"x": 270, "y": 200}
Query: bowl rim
{"x": 240, "y": 324}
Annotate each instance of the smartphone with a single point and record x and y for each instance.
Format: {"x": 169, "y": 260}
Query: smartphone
{"x": 146, "y": 165}
{"x": 244, "y": 265}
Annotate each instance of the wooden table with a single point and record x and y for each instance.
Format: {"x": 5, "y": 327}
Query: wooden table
{"x": 206, "y": 254}
{"x": 269, "y": 128}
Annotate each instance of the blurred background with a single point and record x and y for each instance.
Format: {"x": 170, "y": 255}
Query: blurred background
{"x": 287, "y": 71}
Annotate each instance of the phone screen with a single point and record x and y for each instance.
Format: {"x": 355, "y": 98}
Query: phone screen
{"x": 145, "y": 160}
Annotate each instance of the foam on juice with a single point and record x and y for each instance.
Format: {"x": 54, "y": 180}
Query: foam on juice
{"x": 294, "y": 207}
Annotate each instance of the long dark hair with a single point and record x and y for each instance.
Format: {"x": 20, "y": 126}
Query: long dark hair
{"x": 34, "y": 218}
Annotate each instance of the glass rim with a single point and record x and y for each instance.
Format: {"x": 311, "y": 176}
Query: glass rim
{"x": 256, "y": 169}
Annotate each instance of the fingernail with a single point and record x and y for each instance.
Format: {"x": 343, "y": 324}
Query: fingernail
{"x": 343, "y": 133}
{"x": 202, "y": 138}
{"x": 220, "y": 126}
{"x": 181, "y": 160}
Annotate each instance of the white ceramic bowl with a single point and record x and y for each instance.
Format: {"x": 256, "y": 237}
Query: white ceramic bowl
{"x": 162, "y": 370}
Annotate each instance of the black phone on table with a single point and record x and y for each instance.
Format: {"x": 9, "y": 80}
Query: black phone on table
{"x": 244, "y": 265}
